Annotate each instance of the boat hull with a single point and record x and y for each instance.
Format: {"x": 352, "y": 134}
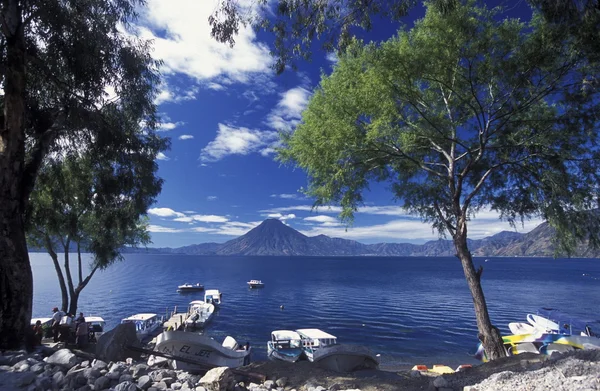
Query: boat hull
{"x": 203, "y": 350}
{"x": 343, "y": 358}
{"x": 289, "y": 355}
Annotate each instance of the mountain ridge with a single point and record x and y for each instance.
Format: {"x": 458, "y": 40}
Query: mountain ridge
{"x": 274, "y": 238}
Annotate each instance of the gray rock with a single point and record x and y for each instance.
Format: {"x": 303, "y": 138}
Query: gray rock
{"x": 168, "y": 381}
{"x": 415, "y": 374}
{"x": 85, "y": 364}
{"x": 218, "y": 379}
{"x": 5, "y": 360}
{"x": 64, "y": 358}
{"x": 85, "y": 388}
{"x": 44, "y": 382}
{"x": 21, "y": 366}
{"x": 101, "y": 383}
{"x": 37, "y": 368}
{"x": 58, "y": 379}
{"x": 440, "y": 382}
{"x": 74, "y": 369}
{"x": 176, "y": 386}
{"x": 161, "y": 385}
{"x": 269, "y": 384}
{"x": 125, "y": 377}
{"x": 15, "y": 380}
{"x": 139, "y": 370}
{"x": 99, "y": 365}
{"x": 144, "y": 382}
{"x": 91, "y": 373}
{"x": 200, "y": 388}
{"x": 112, "y": 345}
{"x": 126, "y": 386}
{"x": 113, "y": 375}
{"x": 281, "y": 382}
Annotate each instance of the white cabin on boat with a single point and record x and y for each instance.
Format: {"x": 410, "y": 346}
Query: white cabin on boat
{"x": 256, "y": 284}
{"x": 96, "y": 326}
{"x": 313, "y": 339}
{"x": 145, "y": 324}
{"x": 212, "y": 296}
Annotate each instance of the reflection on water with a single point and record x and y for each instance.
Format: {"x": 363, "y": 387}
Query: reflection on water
{"x": 408, "y": 310}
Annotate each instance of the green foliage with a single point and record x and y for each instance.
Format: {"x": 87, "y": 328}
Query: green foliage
{"x": 466, "y": 110}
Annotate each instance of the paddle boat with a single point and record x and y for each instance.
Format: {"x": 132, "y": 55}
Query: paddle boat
{"x": 213, "y": 296}
{"x": 145, "y": 324}
{"x": 256, "y": 284}
{"x": 199, "y": 314}
{"x": 200, "y": 352}
{"x": 190, "y": 287}
{"x": 322, "y": 348}
{"x": 285, "y": 345}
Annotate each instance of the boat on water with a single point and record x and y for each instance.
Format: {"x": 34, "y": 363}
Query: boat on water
{"x": 145, "y": 324}
{"x": 285, "y": 345}
{"x": 96, "y": 325}
{"x": 256, "y": 284}
{"x": 201, "y": 352}
{"x": 213, "y": 296}
{"x": 190, "y": 287}
{"x": 199, "y": 314}
{"x": 322, "y": 348}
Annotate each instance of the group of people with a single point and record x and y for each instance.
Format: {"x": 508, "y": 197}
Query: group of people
{"x": 64, "y": 326}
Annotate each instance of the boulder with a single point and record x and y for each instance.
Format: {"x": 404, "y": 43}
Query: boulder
{"x": 64, "y": 358}
{"x": 58, "y": 379}
{"x": 139, "y": 370}
{"x": 99, "y": 365}
{"x": 84, "y": 388}
{"x": 144, "y": 382}
{"x": 281, "y": 382}
{"x": 269, "y": 384}
{"x": 125, "y": 377}
{"x": 91, "y": 374}
{"x": 112, "y": 345}
{"x": 126, "y": 386}
{"x": 218, "y": 379}
{"x": 44, "y": 382}
{"x": 440, "y": 382}
{"x": 37, "y": 368}
{"x": 16, "y": 380}
{"x": 161, "y": 385}
{"x": 101, "y": 383}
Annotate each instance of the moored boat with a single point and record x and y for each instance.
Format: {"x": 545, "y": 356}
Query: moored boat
{"x": 203, "y": 351}
{"x": 145, "y": 324}
{"x": 256, "y": 284}
{"x": 96, "y": 325}
{"x": 199, "y": 314}
{"x": 322, "y": 348}
{"x": 190, "y": 287}
{"x": 285, "y": 345}
{"x": 213, "y": 296}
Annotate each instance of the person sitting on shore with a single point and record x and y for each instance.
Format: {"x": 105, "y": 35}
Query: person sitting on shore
{"x": 81, "y": 335}
{"x": 38, "y": 331}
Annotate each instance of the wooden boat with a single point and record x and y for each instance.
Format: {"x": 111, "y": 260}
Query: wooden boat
{"x": 285, "y": 345}
{"x": 213, "y": 296}
{"x": 256, "y": 284}
{"x": 145, "y": 324}
{"x": 190, "y": 287}
{"x": 322, "y": 348}
{"x": 201, "y": 349}
{"x": 199, "y": 314}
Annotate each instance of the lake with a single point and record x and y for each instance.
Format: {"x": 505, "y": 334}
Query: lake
{"x": 410, "y": 310}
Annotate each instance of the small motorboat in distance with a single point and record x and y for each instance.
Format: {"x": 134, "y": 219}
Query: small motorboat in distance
{"x": 285, "y": 345}
{"x": 256, "y": 284}
{"x": 190, "y": 287}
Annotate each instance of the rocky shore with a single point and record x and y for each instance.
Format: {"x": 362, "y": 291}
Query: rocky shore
{"x": 70, "y": 370}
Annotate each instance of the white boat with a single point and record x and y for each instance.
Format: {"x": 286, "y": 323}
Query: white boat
{"x": 285, "y": 345}
{"x": 518, "y": 328}
{"x": 199, "y": 313}
{"x": 190, "y": 287}
{"x": 256, "y": 284}
{"x": 213, "y": 296}
{"x": 145, "y": 324}
{"x": 322, "y": 348}
{"x": 204, "y": 351}
{"x": 96, "y": 326}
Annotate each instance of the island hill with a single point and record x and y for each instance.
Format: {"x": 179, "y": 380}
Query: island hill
{"x": 273, "y": 238}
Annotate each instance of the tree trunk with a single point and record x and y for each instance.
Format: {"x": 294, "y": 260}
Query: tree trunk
{"x": 61, "y": 278}
{"x": 74, "y": 302}
{"x": 68, "y": 275}
{"x": 489, "y": 335}
{"x": 16, "y": 282}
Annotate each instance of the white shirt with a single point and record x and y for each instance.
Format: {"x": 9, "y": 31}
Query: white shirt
{"x": 56, "y": 318}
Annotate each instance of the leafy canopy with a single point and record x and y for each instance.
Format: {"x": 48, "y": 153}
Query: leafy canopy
{"x": 464, "y": 111}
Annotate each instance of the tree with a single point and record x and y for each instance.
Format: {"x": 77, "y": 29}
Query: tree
{"x": 460, "y": 113}
{"x": 57, "y": 59}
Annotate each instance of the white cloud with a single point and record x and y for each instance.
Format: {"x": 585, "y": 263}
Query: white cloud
{"x": 171, "y": 94}
{"x": 212, "y": 198}
{"x": 321, "y": 219}
{"x": 236, "y": 141}
{"x": 162, "y": 156}
{"x": 281, "y": 216}
{"x": 166, "y": 126}
{"x": 158, "y": 228}
{"x": 164, "y": 212}
{"x": 182, "y": 41}
{"x": 286, "y": 196}
{"x": 332, "y": 57}
{"x": 215, "y": 86}
{"x": 286, "y": 115}
{"x": 185, "y": 137}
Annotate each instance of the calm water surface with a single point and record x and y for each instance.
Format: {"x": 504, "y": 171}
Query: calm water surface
{"x": 409, "y": 310}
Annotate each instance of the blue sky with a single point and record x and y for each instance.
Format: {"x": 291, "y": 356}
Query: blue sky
{"x": 222, "y": 108}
